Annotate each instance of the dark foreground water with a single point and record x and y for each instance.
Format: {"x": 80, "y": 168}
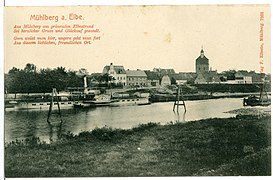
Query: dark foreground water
{"x": 24, "y": 124}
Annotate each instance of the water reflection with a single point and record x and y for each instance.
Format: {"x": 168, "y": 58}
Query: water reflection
{"x": 55, "y": 131}
{"x": 180, "y": 117}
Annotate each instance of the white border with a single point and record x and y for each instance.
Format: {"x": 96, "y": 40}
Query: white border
{"x": 103, "y": 2}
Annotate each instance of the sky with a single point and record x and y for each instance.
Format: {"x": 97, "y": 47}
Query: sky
{"x": 150, "y": 37}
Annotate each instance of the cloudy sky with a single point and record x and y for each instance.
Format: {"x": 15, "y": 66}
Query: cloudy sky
{"x": 147, "y": 37}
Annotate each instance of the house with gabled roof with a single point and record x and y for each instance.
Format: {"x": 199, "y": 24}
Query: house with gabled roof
{"x": 136, "y": 78}
{"x": 153, "y": 79}
{"x": 243, "y": 77}
{"x": 117, "y": 72}
{"x": 210, "y": 77}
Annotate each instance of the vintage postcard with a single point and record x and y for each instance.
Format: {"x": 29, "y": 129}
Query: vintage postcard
{"x": 137, "y": 91}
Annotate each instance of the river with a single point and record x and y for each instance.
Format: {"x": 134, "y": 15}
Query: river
{"x": 24, "y": 124}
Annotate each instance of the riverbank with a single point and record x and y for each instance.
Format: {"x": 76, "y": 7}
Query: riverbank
{"x": 229, "y": 147}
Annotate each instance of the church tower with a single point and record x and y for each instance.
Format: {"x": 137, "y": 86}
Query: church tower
{"x": 202, "y": 63}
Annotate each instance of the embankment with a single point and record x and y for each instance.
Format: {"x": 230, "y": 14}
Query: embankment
{"x": 215, "y": 147}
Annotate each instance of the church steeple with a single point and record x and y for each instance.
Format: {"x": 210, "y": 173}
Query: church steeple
{"x": 202, "y": 62}
{"x": 202, "y": 52}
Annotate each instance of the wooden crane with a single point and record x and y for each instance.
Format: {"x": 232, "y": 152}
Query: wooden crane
{"x": 54, "y": 93}
{"x": 179, "y": 100}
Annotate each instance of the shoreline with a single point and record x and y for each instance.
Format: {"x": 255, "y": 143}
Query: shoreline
{"x": 189, "y": 97}
{"x": 214, "y": 147}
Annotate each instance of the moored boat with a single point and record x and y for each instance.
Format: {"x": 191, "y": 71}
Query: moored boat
{"x": 130, "y": 102}
{"x": 41, "y": 102}
{"x": 256, "y": 101}
{"x": 262, "y": 100}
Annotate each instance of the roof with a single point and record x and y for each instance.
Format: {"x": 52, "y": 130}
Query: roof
{"x": 118, "y": 69}
{"x": 138, "y": 73}
{"x": 152, "y": 75}
{"x": 164, "y": 71}
{"x": 203, "y": 60}
{"x": 242, "y": 73}
{"x": 210, "y": 76}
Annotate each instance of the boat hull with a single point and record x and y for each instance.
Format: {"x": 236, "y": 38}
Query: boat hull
{"x": 252, "y": 101}
{"x": 38, "y": 106}
{"x": 130, "y": 102}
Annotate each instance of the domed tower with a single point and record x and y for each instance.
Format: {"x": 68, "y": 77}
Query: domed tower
{"x": 202, "y": 63}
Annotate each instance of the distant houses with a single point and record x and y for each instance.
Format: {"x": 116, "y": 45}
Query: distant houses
{"x": 164, "y": 77}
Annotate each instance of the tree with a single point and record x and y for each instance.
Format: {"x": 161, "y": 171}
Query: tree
{"x": 14, "y": 70}
{"x": 173, "y": 80}
{"x": 30, "y": 68}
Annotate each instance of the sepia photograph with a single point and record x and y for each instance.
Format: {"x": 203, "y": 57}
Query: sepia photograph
{"x": 137, "y": 91}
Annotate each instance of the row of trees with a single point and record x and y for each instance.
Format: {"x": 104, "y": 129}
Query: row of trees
{"x": 30, "y": 80}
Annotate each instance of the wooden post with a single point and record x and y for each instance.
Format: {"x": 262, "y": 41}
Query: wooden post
{"x": 177, "y": 100}
{"x": 54, "y": 93}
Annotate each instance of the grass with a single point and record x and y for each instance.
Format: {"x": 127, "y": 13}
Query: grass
{"x": 213, "y": 147}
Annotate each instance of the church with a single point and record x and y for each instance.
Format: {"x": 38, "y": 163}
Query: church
{"x": 202, "y": 63}
{"x": 204, "y": 74}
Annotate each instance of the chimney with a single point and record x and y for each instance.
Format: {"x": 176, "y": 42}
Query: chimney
{"x": 85, "y": 82}
{"x": 85, "y": 85}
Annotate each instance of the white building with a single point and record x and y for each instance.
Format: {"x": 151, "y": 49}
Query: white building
{"x": 242, "y": 78}
{"x": 117, "y": 72}
{"x": 136, "y": 77}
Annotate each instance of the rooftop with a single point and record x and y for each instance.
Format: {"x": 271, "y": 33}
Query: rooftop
{"x": 138, "y": 73}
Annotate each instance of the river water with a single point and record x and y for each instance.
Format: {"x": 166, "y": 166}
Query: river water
{"x": 24, "y": 124}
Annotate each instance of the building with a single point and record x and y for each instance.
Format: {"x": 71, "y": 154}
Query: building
{"x": 163, "y": 72}
{"x": 202, "y": 63}
{"x": 82, "y": 72}
{"x": 184, "y": 77}
{"x": 165, "y": 81}
{"x": 152, "y": 78}
{"x": 117, "y": 72}
{"x": 136, "y": 78}
{"x": 243, "y": 77}
{"x": 210, "y": 77}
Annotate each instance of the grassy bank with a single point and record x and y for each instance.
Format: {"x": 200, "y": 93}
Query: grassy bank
{"x": 232, "y": 146}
